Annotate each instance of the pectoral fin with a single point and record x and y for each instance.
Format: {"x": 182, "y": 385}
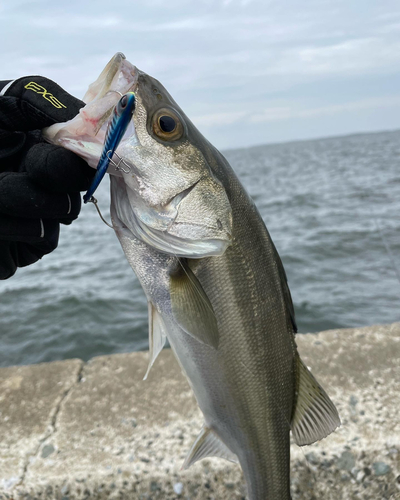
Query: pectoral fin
{"x": 157, "y": 336}
{"x": 208, "y": 444}
{"x": 191, "y": 307}
{"x": 315, "y": 415}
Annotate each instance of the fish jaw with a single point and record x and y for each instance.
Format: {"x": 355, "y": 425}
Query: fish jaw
{"x": 85, "y": 133}
{"x": 106, "y": 79}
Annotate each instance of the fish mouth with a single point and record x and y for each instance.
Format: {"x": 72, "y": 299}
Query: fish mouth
{"x": 119, "y": 76}
{"x": 85, "y": 134}
{"x": 160, "y": 229}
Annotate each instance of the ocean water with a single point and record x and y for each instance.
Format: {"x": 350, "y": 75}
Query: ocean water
{"x": 332, "y": 207}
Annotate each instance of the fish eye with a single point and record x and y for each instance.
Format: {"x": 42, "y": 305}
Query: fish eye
{"x": 167, "y": 125}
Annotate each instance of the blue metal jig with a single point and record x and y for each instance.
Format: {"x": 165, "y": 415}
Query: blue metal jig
{"x": 122, "y": 115}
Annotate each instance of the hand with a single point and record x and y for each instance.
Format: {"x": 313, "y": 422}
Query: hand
{"x": 39, "y": 182}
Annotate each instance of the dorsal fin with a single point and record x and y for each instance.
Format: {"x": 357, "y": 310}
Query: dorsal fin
{"x": 157, "y": 336}
{"x": 315, "y": 415}
{"x": 208, "y": 444}
{"x": 192, "y": 308}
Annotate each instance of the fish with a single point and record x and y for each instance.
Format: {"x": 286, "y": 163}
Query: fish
{"x": 215, "y": 284}
{"x": 116, "y": 129}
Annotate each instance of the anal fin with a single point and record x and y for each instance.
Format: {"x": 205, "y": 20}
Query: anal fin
{"x": 315, "y": 416}
{"x": 208, "y": 444}
{"x": 157, "y": 336}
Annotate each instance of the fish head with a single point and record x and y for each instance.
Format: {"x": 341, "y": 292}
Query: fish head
{"x": 164, "y": 191}
{"x": 177, "y": 204}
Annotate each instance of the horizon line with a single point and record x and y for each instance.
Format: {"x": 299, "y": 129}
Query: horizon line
{"x": 320, "y": 138}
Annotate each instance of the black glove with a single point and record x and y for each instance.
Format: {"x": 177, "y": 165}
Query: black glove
{"x": 39, "y": 182}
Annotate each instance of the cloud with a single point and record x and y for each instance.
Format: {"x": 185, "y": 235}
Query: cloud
{"x": 227, "y": 62}
{"x": 294, "y": 110}
{"x": 227, "y": 118}
{"x": 73, "y": 23}
{"x": 286, "y": 113}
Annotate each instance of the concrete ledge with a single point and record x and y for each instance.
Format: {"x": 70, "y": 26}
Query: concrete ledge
{"x": 70, "y": 430}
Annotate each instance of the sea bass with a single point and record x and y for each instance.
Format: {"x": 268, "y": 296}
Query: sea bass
{"x": 215, "y": 284}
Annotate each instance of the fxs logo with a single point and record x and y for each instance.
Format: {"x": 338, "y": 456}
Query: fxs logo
{"x": 47, "y": 95}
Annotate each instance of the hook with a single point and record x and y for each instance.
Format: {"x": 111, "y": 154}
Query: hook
{"x": 93, "y": 200}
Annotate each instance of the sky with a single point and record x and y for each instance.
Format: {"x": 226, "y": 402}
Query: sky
{"x": 246, "y": 72}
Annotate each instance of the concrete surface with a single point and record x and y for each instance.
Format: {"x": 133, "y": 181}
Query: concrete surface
{"x": 72, "y": 430}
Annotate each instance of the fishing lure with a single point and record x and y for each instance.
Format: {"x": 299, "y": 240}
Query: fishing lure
{"x": 117, "y": 126}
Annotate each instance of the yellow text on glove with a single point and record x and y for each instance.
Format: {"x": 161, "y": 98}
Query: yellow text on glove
{"x": 47, "y": 95}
